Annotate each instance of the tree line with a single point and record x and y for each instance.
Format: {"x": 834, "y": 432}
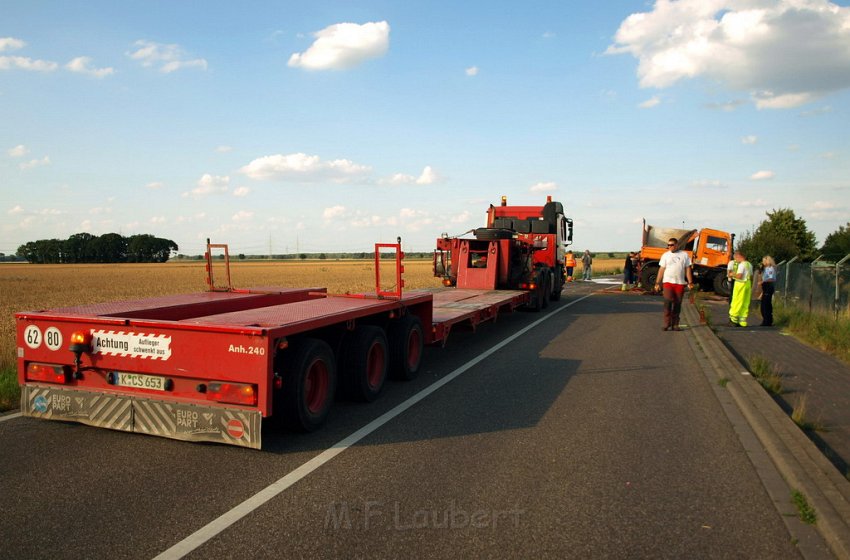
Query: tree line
{"x": 784, "y": 236}
{"x": 107, "y": 248}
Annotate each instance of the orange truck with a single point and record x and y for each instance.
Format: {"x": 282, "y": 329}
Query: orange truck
{"x": 710, "y": 251}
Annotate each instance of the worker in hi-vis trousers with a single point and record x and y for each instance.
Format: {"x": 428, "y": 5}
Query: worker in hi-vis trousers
{"x": 739, "y": 307}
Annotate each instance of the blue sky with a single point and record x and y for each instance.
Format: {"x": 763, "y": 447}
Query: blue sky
{"x": 328, "y": 126}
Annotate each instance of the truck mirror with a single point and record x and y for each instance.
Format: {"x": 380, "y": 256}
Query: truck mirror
{"x": 569, "y": 229}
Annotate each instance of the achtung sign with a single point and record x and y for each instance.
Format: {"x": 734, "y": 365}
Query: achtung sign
{"x": 131, "y": 344}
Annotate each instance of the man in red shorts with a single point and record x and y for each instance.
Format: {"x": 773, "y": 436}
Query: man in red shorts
{"x": 675, "y": 265}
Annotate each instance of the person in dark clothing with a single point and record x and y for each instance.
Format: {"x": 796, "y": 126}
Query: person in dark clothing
{"x": 768, "y": 285}
{"x": 629, "y": 271}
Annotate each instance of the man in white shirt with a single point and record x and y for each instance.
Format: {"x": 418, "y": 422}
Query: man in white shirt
{"x": 675, "y": 266}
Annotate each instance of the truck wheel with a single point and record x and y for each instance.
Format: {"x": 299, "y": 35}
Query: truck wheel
{"x": 364, "y": 360}
{"x": 407, "y": 341}
{"x": 309, "y": 382}
{"x": 558, "y": 284}
{"x": 545, "y": 289}
{"x": 648, "y": 276}
{"x": 722, "y": 286}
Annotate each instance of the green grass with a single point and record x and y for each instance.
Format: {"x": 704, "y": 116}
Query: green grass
{"x": 10, "y": 393}
{"x": 723, "y": 381}
{"x": 821, "y": 331}
{"x": 766, "y": 374}
{"x": 806, "y": 512}
{"x": 799, "y": 414}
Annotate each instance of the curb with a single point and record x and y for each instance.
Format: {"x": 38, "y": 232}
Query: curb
{"x": 796, "y": 457}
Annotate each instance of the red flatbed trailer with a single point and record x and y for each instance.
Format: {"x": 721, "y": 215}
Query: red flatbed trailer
{"x": 210, "y": 366}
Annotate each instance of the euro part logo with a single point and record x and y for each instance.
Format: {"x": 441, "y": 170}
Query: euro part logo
{"x": 39, "y": 404}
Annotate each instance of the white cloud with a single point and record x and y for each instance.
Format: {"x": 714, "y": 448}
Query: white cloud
{"x": 26, "y": 63}
{"x": 169, "y": 58}
{"x": 758, "y": 203}
{"x": 650, "y": 103}
{"x": 304, "y": 168}
{"x": 82, "y": 65}
{"x": 155, "y": 185}
{"x": 461, "y": 218}
{"x": 784, "y": 53}
{"x": 548, "y": 35}
{"x": 242, "y": 216}
{"x": 34, "y": 163}
{"x": 751, "y": 139}
{"x": 827, "y": 155}
{"x": 209, "y": 184}
{"x": 158, "y": 220}
{"x": 99, "y": 210}
{"x": 333, "y": 212}
{"x": 548, "y": 186}
{"x": 344, "y": 45}
{"x": 11, "y": 44}
{"x": 428, "y": 177}
{"x": 16, "y": 210}
{"x": 471, "y": 71}
{"x": 708, "y": 183}
{"x": 18, "y": 151}
{"x": 241, "y": 191}
{"x": 224, "y": 149}
{"x": 762, "y": 175}
{"x": 727, "y": 106}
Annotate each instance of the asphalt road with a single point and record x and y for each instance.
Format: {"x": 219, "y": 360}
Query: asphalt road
{"x": 592, "y": 435}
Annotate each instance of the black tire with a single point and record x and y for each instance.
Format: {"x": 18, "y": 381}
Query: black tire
{"x": 539, "y": 297}
{"x": 363, "y": 363}
{"x": 558, "y": 284}
{"x": 407, "y": 342}
{"x": 545, "y": 288}
{"x": 309, "y": 382}
{"x": 722, "y": 286}
{"x": 648, "y": 276}
{"x": 492, "y": 234}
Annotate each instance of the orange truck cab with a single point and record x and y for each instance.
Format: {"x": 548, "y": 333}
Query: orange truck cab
{"x": 710, "y": 251}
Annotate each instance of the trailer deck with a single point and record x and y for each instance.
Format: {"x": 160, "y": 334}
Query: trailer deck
{"x": 210, "y": 366}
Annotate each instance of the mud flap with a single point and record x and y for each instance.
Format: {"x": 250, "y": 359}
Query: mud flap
{"x": 183, "y": 421}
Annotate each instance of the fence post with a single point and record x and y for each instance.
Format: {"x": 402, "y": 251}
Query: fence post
{"x": 837, "y": 278}
{"x": 812, "y": 281}
{"x": 787, "y": 276}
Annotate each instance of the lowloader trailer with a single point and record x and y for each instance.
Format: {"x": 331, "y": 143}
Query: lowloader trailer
{"x": 213, "y": 366}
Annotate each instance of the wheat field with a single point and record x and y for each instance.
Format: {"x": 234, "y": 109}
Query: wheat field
{"x": 25, "y": 287}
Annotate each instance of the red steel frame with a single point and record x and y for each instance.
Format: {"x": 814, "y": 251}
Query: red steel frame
{"x": 232, "y": 336}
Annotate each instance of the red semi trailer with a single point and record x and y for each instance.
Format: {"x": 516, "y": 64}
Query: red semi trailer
{"x": 212, "y": 366}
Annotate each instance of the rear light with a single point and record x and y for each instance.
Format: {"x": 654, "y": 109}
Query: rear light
{"x": 80, "y": 342}
{"x": 233, "y": 393}
{"x": 528, "y": 286}
{"x": 48, "y": 373}
{"x": 447, "y": 282}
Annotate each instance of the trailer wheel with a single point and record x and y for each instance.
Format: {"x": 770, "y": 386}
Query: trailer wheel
{"x": 364, "y": 363}
{"x": 309, "y": 382}
{"x": 721, "y": 285}
{"x": 648, "y": 276}
{"x": 407, "y": 341}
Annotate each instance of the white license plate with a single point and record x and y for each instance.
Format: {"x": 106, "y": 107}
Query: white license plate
{"x": 140, "y": 381}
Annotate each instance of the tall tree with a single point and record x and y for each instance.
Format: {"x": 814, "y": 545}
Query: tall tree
{"x": 837, "y": 244}
{"x": 782, "y": 235}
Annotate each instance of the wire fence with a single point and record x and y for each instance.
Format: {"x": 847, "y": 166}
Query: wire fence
{"x": 819, "y": 286}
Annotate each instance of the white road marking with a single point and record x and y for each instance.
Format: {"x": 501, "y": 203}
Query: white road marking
{"x": 218, "y": 525}
{"x": 9, "y": 416}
